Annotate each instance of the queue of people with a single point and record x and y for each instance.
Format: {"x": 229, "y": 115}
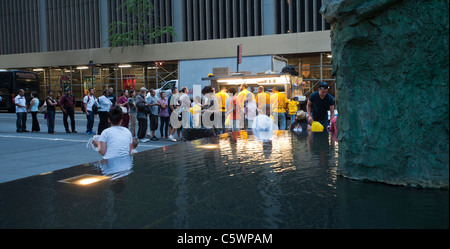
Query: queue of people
{"x": 224, "y": 111}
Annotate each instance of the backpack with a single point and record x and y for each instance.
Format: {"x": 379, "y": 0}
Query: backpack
{"x": 94, "y": 106}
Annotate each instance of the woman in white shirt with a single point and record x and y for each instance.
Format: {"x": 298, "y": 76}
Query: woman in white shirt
{"x": 34, "y": 108}
{"x": 104, "y": 106}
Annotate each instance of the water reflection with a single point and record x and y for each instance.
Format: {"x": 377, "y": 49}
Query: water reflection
{"x": 288, "y": 181}
{"x": 117, "y": 167}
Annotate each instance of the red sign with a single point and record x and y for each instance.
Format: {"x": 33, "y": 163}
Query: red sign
{"x": 240, "y": 54}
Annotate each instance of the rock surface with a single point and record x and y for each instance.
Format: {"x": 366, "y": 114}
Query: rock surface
{"x": 391, "y": 62}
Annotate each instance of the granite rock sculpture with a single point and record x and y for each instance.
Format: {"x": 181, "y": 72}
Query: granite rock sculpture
{"x": 391, "y": 63}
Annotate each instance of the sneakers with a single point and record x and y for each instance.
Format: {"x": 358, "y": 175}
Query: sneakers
{"x": 154, "y": 138}
{"x": 144, "y": 140}
{"x": 171, "y": 138}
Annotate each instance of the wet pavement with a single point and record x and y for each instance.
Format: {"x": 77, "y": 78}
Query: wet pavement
{"x": 28, "y": 154}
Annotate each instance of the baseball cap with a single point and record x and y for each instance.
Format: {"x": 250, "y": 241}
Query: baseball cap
{"x": 323, "y": 85}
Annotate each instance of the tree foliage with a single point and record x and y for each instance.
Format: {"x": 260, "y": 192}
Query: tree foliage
{"x": 138, "y": 31}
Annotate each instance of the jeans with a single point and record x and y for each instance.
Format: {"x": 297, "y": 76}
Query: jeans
{"x": 164, "y": 125}
{"x": 282, "y": 121}
{"x": 90, "y": 121}
{"x": 69, "y": 113}
{"x": 51, "y": 121}
{"x": 21, "y": 123}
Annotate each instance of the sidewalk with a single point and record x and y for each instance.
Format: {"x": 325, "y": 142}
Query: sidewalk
{"x": 27, "y": 154}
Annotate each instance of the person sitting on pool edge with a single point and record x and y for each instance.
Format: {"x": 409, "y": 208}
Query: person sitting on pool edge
{"x": 117, "y": 140}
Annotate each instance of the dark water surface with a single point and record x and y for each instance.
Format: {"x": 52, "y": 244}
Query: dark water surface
{"x": 289, "y": 182}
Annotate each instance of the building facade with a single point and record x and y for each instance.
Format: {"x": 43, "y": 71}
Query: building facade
{"x": 66, "y": 42}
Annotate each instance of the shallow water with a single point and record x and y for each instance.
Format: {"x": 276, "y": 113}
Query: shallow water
{"x": 288, "y": 182}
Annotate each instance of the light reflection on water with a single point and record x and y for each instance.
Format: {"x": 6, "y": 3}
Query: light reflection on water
{"x": 287, "y": 182}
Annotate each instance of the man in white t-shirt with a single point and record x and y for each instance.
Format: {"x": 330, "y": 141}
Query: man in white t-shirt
{"x": 88, "y": 102}
{"x": 117, "y": 140}
{"x": 21, "y": 111}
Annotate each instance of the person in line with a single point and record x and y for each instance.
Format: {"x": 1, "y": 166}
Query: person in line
{"x": 234, "y": 111}
{"x": 196, "y": 107}
{"x": 104, "y": 107}
{"x": 172, "y": 104}
{"x": 141, "y": 105}
{"x": 318, "y": 105}
{"x": 132, "y": 108}
{"x": 117, "y": 140}
{"x": 210, "y": 112}
{"x": 154, "y": 104}
{"x": 249, "y": 110}
{"x": 242, "y": 96}
{"x": 279, "y": 103}
{"x": 34, "y": 108}
{"x": 112, "y": 96}
{"x": 123, "y": 103}
{"x": 222, "y": 97}
{"x": 51, "y": 111}
{"x": 163, "y": 114}
{"x": 21, "y": 112}
{"x": 262, "y": 98}
{"x": 88, "y": 102}
{"x": 181, "y": 105}
{"x": 67, "y": 104}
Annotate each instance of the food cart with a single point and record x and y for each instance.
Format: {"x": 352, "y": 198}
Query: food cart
{"x": 288, "y": 84}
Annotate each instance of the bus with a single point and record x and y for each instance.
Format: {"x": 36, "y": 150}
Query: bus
{"x": 10, "y": 83}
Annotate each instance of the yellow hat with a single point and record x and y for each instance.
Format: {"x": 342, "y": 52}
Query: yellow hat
{"x": 316, "y": 127}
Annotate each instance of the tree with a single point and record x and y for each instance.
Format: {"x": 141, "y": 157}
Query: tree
{"x": 139, "y": 31}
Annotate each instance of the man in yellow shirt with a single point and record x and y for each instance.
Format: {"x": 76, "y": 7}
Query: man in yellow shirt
{"x": 242, "y": 96}
{"x": 222, "y": 97}
{"x": 279, "y": 103}
{"x": 262, "y": 98}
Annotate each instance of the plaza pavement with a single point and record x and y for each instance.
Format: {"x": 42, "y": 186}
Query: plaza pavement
{"x": 28, "y": 154}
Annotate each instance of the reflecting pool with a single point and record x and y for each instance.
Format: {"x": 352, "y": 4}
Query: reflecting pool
{"x": 235, "y": 181}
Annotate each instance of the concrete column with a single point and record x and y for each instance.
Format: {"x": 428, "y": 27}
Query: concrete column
{"x": 268, "y": 17}
{"x": 43, "y": 25}
{"x": 177, "y": 8}
{"x": 104, "y": 25}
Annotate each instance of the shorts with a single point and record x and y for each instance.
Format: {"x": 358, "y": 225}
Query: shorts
{"x": 154, "y": 122}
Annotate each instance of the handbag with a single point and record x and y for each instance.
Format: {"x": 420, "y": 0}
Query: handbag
{"x": 43, "y": 108}
{"x": 124, "y": 109}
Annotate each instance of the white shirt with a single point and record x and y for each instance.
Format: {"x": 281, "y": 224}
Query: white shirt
{"x": 104, "y": 104}
{"x": 118, "y": 140}
{"x": 89, "y": 103}
{"x": 263, "y": 122}
{"x": 21, "y": 100}
{"x": 251, "y": 110}
{"x": 263, "y": 127}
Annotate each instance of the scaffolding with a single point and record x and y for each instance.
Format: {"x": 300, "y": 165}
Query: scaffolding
{"x": 100, "y": 77}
